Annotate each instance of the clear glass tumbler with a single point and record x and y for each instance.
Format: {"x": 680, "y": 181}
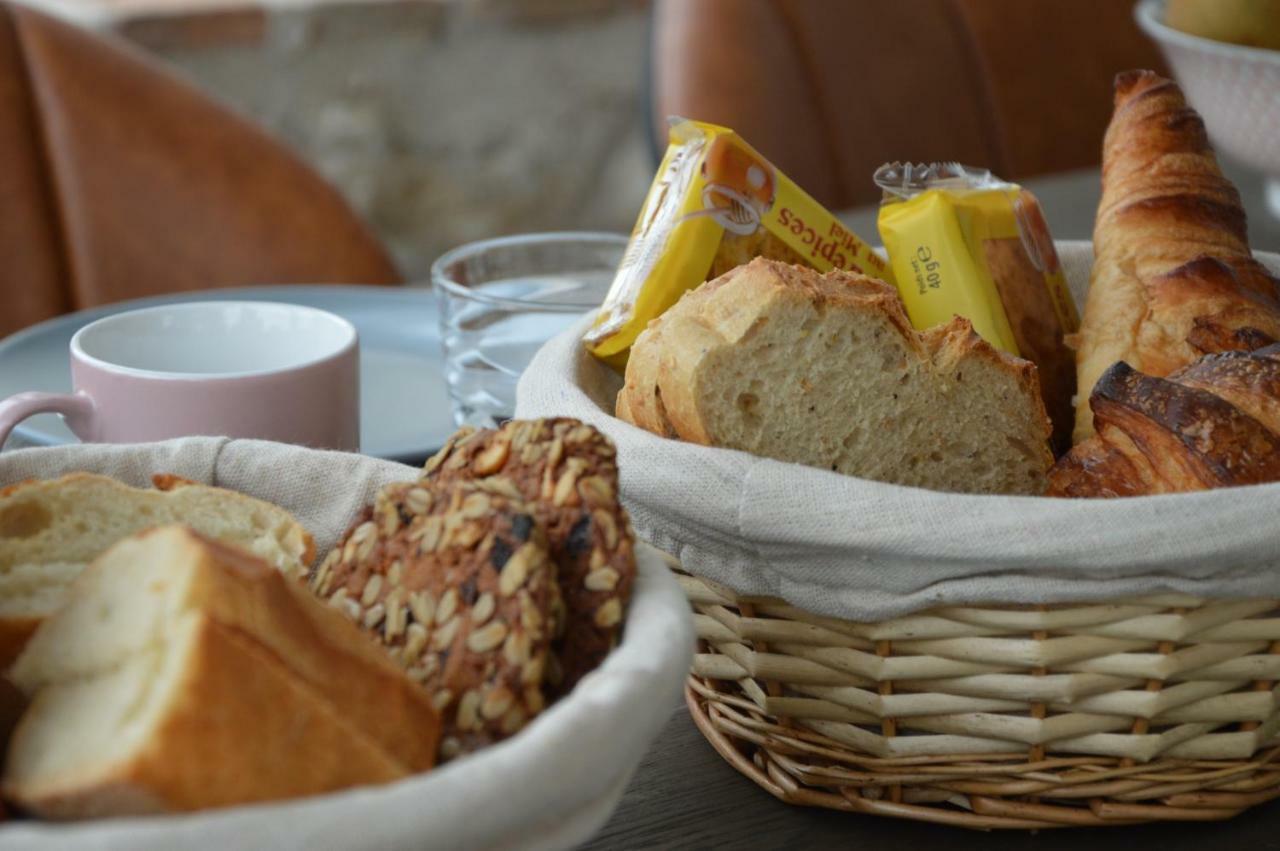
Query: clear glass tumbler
{"x": 501, "y": 299}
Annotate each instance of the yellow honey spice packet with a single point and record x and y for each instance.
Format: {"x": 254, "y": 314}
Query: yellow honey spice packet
{"x": 962, "y": 242}
{"x": 715, "y": 204}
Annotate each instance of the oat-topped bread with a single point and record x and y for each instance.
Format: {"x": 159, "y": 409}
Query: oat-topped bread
{"x": 457, "y": 583}
{"x": 568, "y": 472}
{"x": 183, "y": 674}
{"x": 49, "y": 531}
{"x": 826, "y": 370}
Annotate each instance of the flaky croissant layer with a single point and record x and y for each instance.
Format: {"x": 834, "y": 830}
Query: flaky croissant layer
{"x": 1212, "y": 424}
{"x": 1173, "y": 278}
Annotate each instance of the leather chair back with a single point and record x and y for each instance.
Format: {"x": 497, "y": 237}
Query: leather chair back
{"x": 118, "y": 180}
{"x": 830, "y": 90}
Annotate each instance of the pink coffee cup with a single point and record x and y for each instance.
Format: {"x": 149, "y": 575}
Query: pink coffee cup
{"x": 238, "y": 368}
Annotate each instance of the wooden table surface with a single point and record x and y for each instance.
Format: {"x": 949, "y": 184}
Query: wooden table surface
{"x": 685, "y": 796}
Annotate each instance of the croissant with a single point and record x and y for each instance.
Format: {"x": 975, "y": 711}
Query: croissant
{"x": 1172, "y": 278}
{"x": 1212, "y": 424}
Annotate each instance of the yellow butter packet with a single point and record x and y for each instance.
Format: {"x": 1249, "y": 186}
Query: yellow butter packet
{"x": 962, "y": 242}
{"x": 715, "y": 204}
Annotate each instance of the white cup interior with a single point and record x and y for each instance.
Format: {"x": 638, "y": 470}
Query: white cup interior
{"x": 213, "y": 338}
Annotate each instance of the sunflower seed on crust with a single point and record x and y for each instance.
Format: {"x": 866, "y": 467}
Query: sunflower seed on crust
{"x": 450, "y": 748}
{"x": 418, "y": 500}
{"x": 448, "y": 605}
{"x": 469, "y": 710}
{"x": 373, "y": 615}
{"x": 487, "y": 637}
{"x": 604, "y": 579}
{"x": 483, "y": 609}
{"x": 423, "y": 607}
{"x": 371, "y": 588}
{"x": 441, "y": 699}
{"x": 565, "y": 488}
{"x": 415, "y": 640}
{"x": 445, "y": 633}
{"x": 491, "y": 459}
{"x": 397, "y": 615}
{"x": 497, "y": 701}
{"x": 609, "y": 614}
{"x": 516, "y": 570}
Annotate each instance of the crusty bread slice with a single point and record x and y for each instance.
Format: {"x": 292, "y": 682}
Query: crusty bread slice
{"x": 182, "y": 674}
{"x": 49, "y": 530}
{"x": 826, "y": 370}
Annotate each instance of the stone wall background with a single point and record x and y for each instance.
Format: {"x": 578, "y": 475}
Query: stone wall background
{"x": 442, "y": 121}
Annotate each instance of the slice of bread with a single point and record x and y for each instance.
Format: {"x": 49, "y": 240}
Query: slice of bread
{"x": 49, "y": 531}
{"x": 826, "y": 370}
{"x": 183, "y": 674}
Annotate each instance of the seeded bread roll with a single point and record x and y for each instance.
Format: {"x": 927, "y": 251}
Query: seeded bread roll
{"x": 569, "y": 474}
{"x": 457, "y": 583}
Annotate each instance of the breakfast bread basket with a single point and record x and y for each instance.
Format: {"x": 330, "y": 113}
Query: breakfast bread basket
{"x": 981, "y": 661}
{"x": 551, "y": 785}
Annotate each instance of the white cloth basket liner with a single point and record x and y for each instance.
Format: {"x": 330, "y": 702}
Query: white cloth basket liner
{"x": 551, "y": 786}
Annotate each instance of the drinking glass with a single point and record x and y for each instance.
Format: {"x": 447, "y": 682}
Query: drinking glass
{"x": 501, "y": 299}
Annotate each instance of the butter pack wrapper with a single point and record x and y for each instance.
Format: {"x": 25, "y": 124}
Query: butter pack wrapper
{"x": 965, "y": 243}
{"x": 715, "y": 204}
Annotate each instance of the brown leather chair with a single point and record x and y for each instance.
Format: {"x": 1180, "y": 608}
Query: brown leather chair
{"x": 830, "y": 90}
{"x": 117, "y": 180}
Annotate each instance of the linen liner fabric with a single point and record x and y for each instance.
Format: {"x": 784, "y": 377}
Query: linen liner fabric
{"x": 867, "y": 551}
{"x": 551, "y": 786}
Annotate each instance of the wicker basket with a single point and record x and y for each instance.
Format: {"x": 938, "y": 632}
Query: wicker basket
{"x": 1161, "y": 708}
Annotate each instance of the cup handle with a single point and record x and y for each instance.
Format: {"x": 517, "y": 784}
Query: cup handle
{"x": 76, "y": 408}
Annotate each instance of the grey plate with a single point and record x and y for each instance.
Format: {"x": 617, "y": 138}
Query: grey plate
{"x": 404, "y": 406}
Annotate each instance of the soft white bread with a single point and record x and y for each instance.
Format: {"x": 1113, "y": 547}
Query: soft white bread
{"x": 183, "y": 674}
{"x": 826, "y": 370}
{"x": 49, "y": 530}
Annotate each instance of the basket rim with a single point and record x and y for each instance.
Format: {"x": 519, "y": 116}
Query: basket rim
{"x": 814, "y": 538}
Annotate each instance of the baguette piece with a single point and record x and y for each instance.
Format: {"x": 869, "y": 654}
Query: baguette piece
{"x": 183, "y": 674}
{"x": 826, "y": 370}
{"x": 49, "y": 531}
{"x": 1215, "y": 423}
{"x": 1173, "y": 277}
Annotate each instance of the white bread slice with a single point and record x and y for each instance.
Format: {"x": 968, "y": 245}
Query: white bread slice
{"x": 49, "y": 530}
{"x": 183, "y": 674}
{"x": 826, "y": 370}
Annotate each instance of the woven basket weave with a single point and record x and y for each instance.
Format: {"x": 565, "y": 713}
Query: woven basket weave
{"x": 1160, "y": 708}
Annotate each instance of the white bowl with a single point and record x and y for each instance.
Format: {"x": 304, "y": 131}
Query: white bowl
{"x": 1236, "y": 89}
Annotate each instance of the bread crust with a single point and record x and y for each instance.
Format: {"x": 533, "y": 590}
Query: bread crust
{"x": 322, "y": 648}
{"x": 1173, "y": 277}
{"x": 278, "y": 695}
{"x": 237, "y": 728}
{"x": 668, "y": 360}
